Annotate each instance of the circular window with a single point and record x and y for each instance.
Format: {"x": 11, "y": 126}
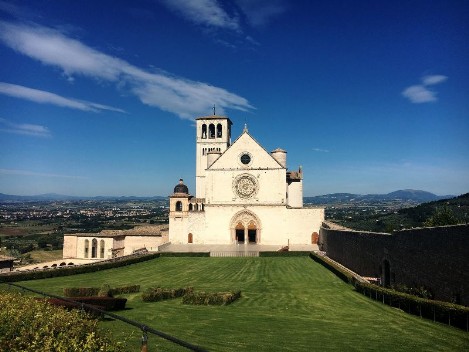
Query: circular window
{"x": 245, "y": 186}
{"x": 245, "y": 158}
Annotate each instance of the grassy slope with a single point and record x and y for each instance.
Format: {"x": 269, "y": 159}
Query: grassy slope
{"x": 41, "y": 255}
{"x": 289, "y": 304}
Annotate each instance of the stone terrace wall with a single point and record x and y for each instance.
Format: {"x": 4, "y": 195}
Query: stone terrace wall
{"x": 436, "y": 258}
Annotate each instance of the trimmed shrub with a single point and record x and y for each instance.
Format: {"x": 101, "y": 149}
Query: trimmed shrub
{"x": 105, "y": 291}
{"x": 94, "y": 291}
{"x": 185, "y": 254}
{"x": 108, "y": 303}
{"x": 283, "y": 254}
{"x": 217, "y": 298}
{"x": 328, "y": 264}
{"x": 80, "y": 291}
{"x": 27, "y": 324}
{"x": 156, "y": 294}
{"x": 120, "y": 290}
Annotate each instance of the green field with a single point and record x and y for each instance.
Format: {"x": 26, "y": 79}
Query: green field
{"x": 287, "y": 304}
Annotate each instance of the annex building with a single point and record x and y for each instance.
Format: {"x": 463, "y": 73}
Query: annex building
{"x": 244, "y": 194}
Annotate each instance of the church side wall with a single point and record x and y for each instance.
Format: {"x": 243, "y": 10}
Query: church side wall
{"x": 178, "y": 229}
{"x": 302, "y": 223}
{"x": 70, "y": 247}
{"x": 132, "y": 243}
{"x": 196, "y": 226}
{"x": 436, "y": 258}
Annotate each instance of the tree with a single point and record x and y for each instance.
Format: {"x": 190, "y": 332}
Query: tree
{"x": 441, "y": 217}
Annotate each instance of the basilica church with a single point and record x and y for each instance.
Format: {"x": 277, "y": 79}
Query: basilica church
{"x": 244, "y": 194}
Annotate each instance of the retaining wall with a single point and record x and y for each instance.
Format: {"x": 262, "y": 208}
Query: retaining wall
{"x": 436, "y": 258}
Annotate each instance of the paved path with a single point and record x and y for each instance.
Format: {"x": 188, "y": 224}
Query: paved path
{"x": 201, "y": 248}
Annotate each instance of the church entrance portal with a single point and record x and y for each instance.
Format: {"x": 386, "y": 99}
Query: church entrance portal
{"x": 245, "y": 228}
{"x": 240, "y": 236}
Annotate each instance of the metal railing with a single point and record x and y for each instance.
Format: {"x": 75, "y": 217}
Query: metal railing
{"x": 144, "y": 328}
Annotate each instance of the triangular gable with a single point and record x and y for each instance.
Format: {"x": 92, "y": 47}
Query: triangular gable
{"x": 260, "y": 158}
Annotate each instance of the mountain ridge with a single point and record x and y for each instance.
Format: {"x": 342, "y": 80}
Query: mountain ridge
{"x": 405, "y": 195}
{"x": 409, "y": 195}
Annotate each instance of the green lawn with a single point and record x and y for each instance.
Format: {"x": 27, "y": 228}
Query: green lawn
{"x": 288, "y": 304}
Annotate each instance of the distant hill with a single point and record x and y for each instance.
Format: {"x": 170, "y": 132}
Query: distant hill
{"x": 408, "y": 217}
{"x": 407, "y": 195}
{"x": 60, "y": 197}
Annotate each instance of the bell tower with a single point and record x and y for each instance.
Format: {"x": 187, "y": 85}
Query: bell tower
{"x": 213, "y": 135}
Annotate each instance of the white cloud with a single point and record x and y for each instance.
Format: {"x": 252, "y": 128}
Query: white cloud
{"x": 43, "y": 97}
{"x": 24, "y": 129}
{"x": 260, "y": 12}
{"x": 33, "y": 173}
{"x": 420, "y": 93}
{"x": 433, "y": 79}
{"x": 205, "y": 12}
{"x": 183, "y": 97}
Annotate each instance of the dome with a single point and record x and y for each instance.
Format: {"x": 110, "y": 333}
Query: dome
{"x": 181, "y": 188}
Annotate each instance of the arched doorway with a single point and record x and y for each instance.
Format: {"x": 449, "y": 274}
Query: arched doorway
{"x": 252, "y": 232}
{"x": 239, "y": 233}
{"x": 245, "y": 228}
{"x": 94, "y": 248}
{"x": 314, "y": 238}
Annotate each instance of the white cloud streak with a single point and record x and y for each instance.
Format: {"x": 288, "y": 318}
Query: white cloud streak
{"x": 433, "y": 79}
{"x": 260, "y": 12}
{"x": 421, "y": 93}
{"x": 203, "y": 12}
{"x": 320, "y": 150}
{"x": 180, "y": 96}
{"x": 24, "y": 129}
{"x": 33, "y": 173}
{"x": 43, "y": 97}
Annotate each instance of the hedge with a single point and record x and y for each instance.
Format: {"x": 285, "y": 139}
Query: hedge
{"x": 217, "y": 298}
{"x": 443, "y": 312}
{"x": 104, "y": 303}
{"x": 156, "y": 294}
{"x": 284, "y": 254}
{"x": 332, "y": 266}
{"x": 82, "y": 269}
{"x": 185, "y": 254}
{"x": 94, "y": 291}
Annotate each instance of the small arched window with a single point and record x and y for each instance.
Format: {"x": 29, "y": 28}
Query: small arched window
{"x": 190, "y": 207}
{"x": 101, "y": 249}
{"x": 87, "y": 248}
{"x": 94, "y": 248}
{"x": 178, "y": 205}
{"x": 219, "y": 131}
{"x": 211, "y": 131}
{"x": 204, "y": 131}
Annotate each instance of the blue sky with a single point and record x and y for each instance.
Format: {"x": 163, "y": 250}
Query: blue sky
{"x": 99, "y": 97}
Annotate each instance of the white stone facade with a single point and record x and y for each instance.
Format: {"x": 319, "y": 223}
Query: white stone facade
{"x": 243, "y": 194}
